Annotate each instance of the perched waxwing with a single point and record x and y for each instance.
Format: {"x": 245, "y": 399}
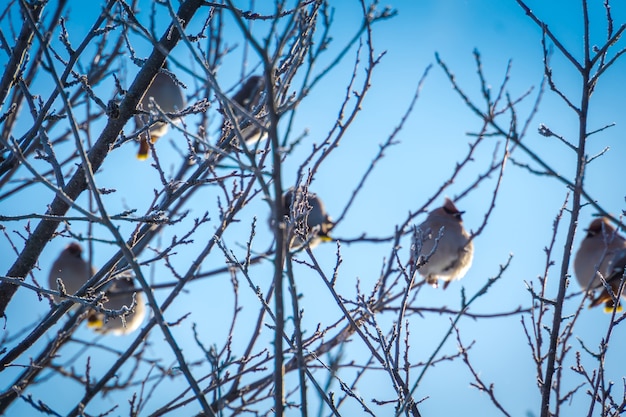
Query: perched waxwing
{"x": 454, "y": 251}
{"x": 119, "y": 296}
{"x": 597, "y": 250}
{"x": 595, "y": 253}
{"x": 71, "y": 268}
{"x": 248, "y": 97}
{"x": 613, "y": 277}
{"x": 307, "y": 214}
{"x": 168, "y": 96}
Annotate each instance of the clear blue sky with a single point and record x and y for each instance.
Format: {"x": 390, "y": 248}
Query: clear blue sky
{"x": 432, "y": 142}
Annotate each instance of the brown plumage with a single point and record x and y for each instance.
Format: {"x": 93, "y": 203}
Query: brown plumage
{"x": 594, "y": 256}
{"x": 248, "y": 97}
{"x": 454, "y": 253}
{"x": 119, "y": 295}
{"x": 71, "y": 268}
{"x": 169, "y": 98}
{"x": 74, "y": 271}
{"x": 311, "y": 222}
{"x": 614, "y": 274}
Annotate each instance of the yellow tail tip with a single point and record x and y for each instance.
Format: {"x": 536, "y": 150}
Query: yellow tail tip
{"x": 608, "y": 307}
{"x": 94, "y": 322}
{"x": 326, "y": 238}
{"x": 144, "y": 149}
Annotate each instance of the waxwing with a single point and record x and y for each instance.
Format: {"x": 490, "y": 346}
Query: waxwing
{"x": 454, "y": 251}
{"x": 307, "y": 214}
{"x": 168, "y": 96}
{"x": 119, "y": 296}
{"x": 71, "y": 268}
{"x": 594, "y": 256}
{"x": 248, "y": 98}
{"x": 615, "y": 271}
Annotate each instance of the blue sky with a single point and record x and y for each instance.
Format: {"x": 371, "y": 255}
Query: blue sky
{"x": 432, "y": 142}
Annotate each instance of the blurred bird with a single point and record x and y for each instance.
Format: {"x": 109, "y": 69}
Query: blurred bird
{"x": 594, "y": 256}
{"x": 71, "y": 268}
{"x": 311, "y": 223}
{"x": 168, "y": 96}
{"x": 248, "y": 98}
{"x": 615, "y": 271}
{"x": 454, "y": 252}
{"x": 118, "y": 296}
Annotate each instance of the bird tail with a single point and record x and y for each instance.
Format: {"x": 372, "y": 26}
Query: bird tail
{"x": 609, "y": 306}
{"x": 606, "y": 299}
{"x": 95, "y": 321}
{"x": 144, "y": 150}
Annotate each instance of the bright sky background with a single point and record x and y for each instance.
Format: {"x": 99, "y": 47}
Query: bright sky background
{"x": 432, "y": 142}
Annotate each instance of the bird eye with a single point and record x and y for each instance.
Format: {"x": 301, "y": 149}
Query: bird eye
{"x": 455, "y": 213}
